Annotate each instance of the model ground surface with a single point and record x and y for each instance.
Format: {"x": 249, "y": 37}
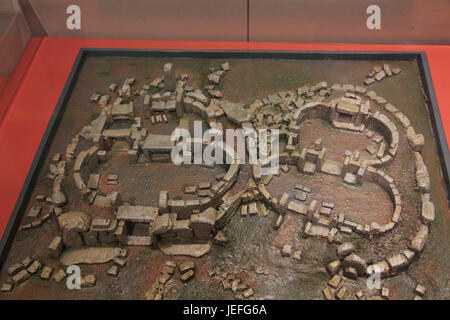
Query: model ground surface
{"x": 359, "y": 189}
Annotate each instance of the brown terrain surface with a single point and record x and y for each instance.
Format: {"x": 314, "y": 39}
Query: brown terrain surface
{"x": 253, "y": 252}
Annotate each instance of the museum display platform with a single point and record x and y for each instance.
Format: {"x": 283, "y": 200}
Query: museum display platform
{"x": 48, "y": 92}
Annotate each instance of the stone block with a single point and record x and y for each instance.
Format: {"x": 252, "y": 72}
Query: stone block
{"x": 381, "y": 267}
{"x": 169, "y": 77}
{"x": 418, "y": 242}
{"x": 59, "y": 276}
{"x": 286, "y": 250}
{"x": 335, "y": 281}
{"x": 182, "y": 229}
{"x": 427, "y": 213}
{"x": 186, "y": 266}
{"x": 163, "y": 201}
{"x": 203, "y": 223}
{"x": 162, "y": 224}
{"x": 21, "y": 276}
{"x": 327, "y": 293}
{"x": 397, "y": 262}
{"x": 356, "y": 262}
{"x": 333, "y": 267}
{"x": 345, "y": 249}
{"x": 55, "y": 247}
{"x": 46, "y": 273}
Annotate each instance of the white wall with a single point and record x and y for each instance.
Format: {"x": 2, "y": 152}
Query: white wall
{"x": 403, "y": 21}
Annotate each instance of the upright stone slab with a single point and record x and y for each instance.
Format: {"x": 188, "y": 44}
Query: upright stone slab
{"x": 182, "y": 229}
{"x": 418, "y": 242}
{"x": 311, "y": 210}
{"x": 21, "y": 277}
{"x": 163, "y": 201}
{"x": 345, "y": 249}
{"x": 427, "y": 214}
{"x": 356, "y": 262}
{"x": 55, "y": 248}
{"x": 203, "y": 223}
{"x": 71, "y": 224}
{"x": 397, "y": 262}
{"x": 179, "y": 102}
{"x": 169, "y": 77}
{"x": 162, "y": 224}
{"x": 121, "y": 232}
{"x": 422, "y": 177}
